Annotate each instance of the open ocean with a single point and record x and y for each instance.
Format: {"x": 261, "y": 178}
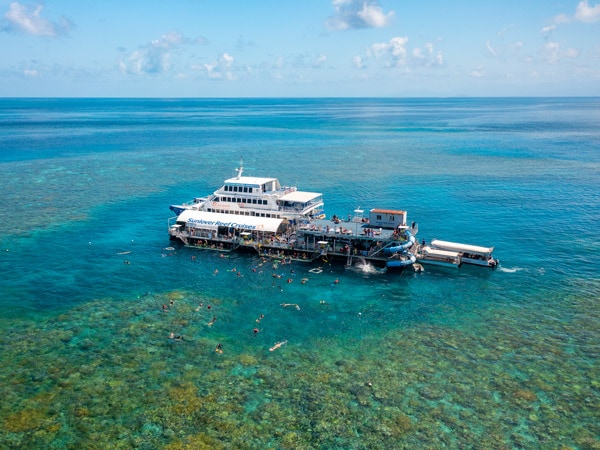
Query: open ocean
{"x": 448, "y": 358}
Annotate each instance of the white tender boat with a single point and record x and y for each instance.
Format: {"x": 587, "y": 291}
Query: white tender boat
{"x": 436, "y": 257}
{"x": 469, "y": 254}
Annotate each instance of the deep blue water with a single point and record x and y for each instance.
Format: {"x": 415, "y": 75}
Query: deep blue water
{"x": 458, "y": 358}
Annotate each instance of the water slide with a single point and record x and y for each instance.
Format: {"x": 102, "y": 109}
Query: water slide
{"x": 402, "y": 262}
{"x": 410, "y": 241}
{"x": 408, "y": 258}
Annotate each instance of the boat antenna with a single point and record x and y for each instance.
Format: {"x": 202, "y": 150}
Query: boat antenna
{"x": 240, "y": 169}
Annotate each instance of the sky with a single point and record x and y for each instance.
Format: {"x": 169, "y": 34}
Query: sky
{"x": 308, "y": 48}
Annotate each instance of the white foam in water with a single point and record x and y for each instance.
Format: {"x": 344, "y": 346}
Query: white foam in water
{"x": 510, "y": 270}
{"x": 366, "y": 267}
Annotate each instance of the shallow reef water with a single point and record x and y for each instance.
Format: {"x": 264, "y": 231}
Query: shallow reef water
{"x": 129, "y": 374}
{"x": 113, "y": 336}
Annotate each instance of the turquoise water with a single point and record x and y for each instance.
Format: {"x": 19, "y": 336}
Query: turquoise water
{"x": 467, "y": 358}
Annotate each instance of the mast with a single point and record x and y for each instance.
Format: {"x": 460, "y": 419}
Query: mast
{"x": 240, "y": 169}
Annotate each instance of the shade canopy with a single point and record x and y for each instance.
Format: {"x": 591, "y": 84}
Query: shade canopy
{"x": 212, "y": 221}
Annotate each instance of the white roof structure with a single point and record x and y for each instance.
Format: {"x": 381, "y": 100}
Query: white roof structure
{"x": 463, "y": 248}
{"x": 438, "y": 252}
{"x": 255, "y": 181}
{"x": 300, "y": 196}
{"x": 211, "y": 221}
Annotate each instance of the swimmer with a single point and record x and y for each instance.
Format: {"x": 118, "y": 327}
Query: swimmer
{"x": 219, "y": 348}
{"x": 216, "y": 271}
{"x": 278, "y": 345}
{"x": 256, "y": 330}
{"x": 164, "y": 308}
{"x": 295, "y": 305}
{"x": 213, "y": 320}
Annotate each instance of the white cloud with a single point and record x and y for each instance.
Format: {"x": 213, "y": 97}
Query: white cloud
{"x": 491, "y": 50}
{"x": 586, "y": 13}
{"x": 583, "y": 13}
{"x": 552, "y": 53}
{"x": 28, "y": 19}
{"x": 320, "y": 61}
{"x": 549, "y": 29}
{"x": 503, "y": 51}
{"x": 221, "y": 69}
{"x": 395, "y": 53}
{"x": 356, "y": 14}
{"x": 478, "y": 72}
{"x": 427, "y": 56}
{"x": 358, "y": 63}
{"x": 156, "y": 56}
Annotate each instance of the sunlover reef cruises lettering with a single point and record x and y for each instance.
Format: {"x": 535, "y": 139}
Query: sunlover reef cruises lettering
{"x": 218, "y": 223}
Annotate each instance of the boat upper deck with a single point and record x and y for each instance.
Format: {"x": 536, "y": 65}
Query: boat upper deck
{"x": 349, "y": 229}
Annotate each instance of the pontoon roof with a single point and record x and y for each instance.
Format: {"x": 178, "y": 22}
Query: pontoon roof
{"x": 387, "y": 211}
{"x": 455, "y": 246}
{"x": 210, "y": 220}
{"x": 300, "y": 196}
